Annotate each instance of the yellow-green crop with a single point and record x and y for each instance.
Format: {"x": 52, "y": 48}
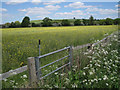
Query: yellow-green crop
{"x": 20, "y": 43}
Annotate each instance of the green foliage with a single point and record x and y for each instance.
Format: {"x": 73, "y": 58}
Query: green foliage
{"x": 109, "y": 21}
{"x": 85, "y": 21}
{"x": 65, "y": 22}
{"x": 12, "y": 25}
{"x": 91, "y": 20}
{"x": 77, "y": 22}
{"x": 35, "y": 25}
{"x": 117, "y": 21}
{"x": 47, "y": 22}
{"x": 7, "y": 25}
{"x": 102, "y": 22}
{"x": 25, "y": 22}
{"x": 17, "y": 24}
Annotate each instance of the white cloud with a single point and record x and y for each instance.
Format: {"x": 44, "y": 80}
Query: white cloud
{"x": 35, "y": 11}
{"x": 36, "y": 1}
{"x": 76, "y": 13}
{"x": 51, "y": 7}
{"x": 22, "y": 10}
{"x": 53, "y": 2}
{"x": 40, "y": 10}
{"x": 102, "y": 11}
{"x": 78, "y": 5}
{"x": 13, "y": 2}
{"x": 3, "y": 9}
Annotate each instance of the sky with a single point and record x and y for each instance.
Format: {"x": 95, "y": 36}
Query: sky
{"x": 37, "y": 10}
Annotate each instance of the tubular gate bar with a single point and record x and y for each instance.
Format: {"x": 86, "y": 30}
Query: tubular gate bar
{"x": 37, "y": 62}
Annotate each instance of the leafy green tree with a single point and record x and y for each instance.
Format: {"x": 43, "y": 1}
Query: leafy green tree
{"x": 91, "y": 20}
{"x": 12, "y": 25}
{"x": 117, "y": 21}
{"x": 65, "y": 22}
{"x": 109, "y": 21}
{"x": 7, "y": 24}
{"x": 85, "y": 21}
{"x": 17, "y": 24}
{"x": 73, "y": 17}
{"x": 25, "y": 21}
{"x": 35, "y": 25}
{"x": 47, "y": 22}
{"x": 102, "y": 22}
{"x": 77, "y": 22}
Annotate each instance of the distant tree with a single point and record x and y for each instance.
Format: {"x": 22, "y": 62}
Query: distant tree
{"x": 102, "y": 22}
{"x": 35, "y": 25}
{"x": 91, "y": 20}
{"x": 73, "y": 17}
{"x": 25, "y": 21}
{"x": 85, "y": 21}
{"x": 12, "y": 25}
{"x": 65, "y": 22}
{"x": 117, "y": 21}
{"x": 77, "y": 22}
{"x": 7, "y": 25}
{"x": 109, "y": 21}
{"x": 47, "y": 22}
{"x": 17, "y": 24}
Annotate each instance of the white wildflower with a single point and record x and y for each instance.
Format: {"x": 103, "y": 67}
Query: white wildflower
{"x": 74, "y": 85}
{"x": 56, "y": 73}
{"x": 62, "y": 74}
{"x": 83, "y": 73}
{"x": 105, "y": 77}
{"x": 90, "y": 73}
{"x": 92, "y": 80}
{"x": 24, "y": 76}
{"x": 5, "y": 80}
{"x": 99, "y": 79}
{"x": 84, "y": 80}
{"x": 106, "y": 63}
{"x": 107, "y": 84}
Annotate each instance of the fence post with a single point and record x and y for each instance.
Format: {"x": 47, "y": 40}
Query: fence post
{"x": 70, "y": 57}
{"x": 32, "y": 72}
{"x": 37, "y": 66}
{"x": 39, "y": 47}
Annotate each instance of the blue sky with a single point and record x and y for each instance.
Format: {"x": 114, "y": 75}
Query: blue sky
{"x": 16, "y": 11}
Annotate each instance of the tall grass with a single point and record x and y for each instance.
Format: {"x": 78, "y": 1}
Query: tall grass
{"x": 20, "y": 43}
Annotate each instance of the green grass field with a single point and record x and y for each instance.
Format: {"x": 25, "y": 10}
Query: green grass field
{"x": 20, "y": 43}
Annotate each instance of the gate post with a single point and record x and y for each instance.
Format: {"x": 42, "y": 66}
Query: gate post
{"x": 37, "y": 66}
{"x": 70, "y": 57}
{"x": 32, "y": 72}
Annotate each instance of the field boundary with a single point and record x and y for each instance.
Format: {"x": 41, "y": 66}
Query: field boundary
{"x": 24, "y": 68}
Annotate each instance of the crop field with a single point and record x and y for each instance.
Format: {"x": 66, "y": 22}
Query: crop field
{"x": 20, "y": 43}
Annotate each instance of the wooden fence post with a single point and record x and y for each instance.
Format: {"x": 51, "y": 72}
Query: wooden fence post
{"x": 32, "y": 72}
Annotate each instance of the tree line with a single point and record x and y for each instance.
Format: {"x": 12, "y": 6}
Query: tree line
{"x": 47, "y": 22}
